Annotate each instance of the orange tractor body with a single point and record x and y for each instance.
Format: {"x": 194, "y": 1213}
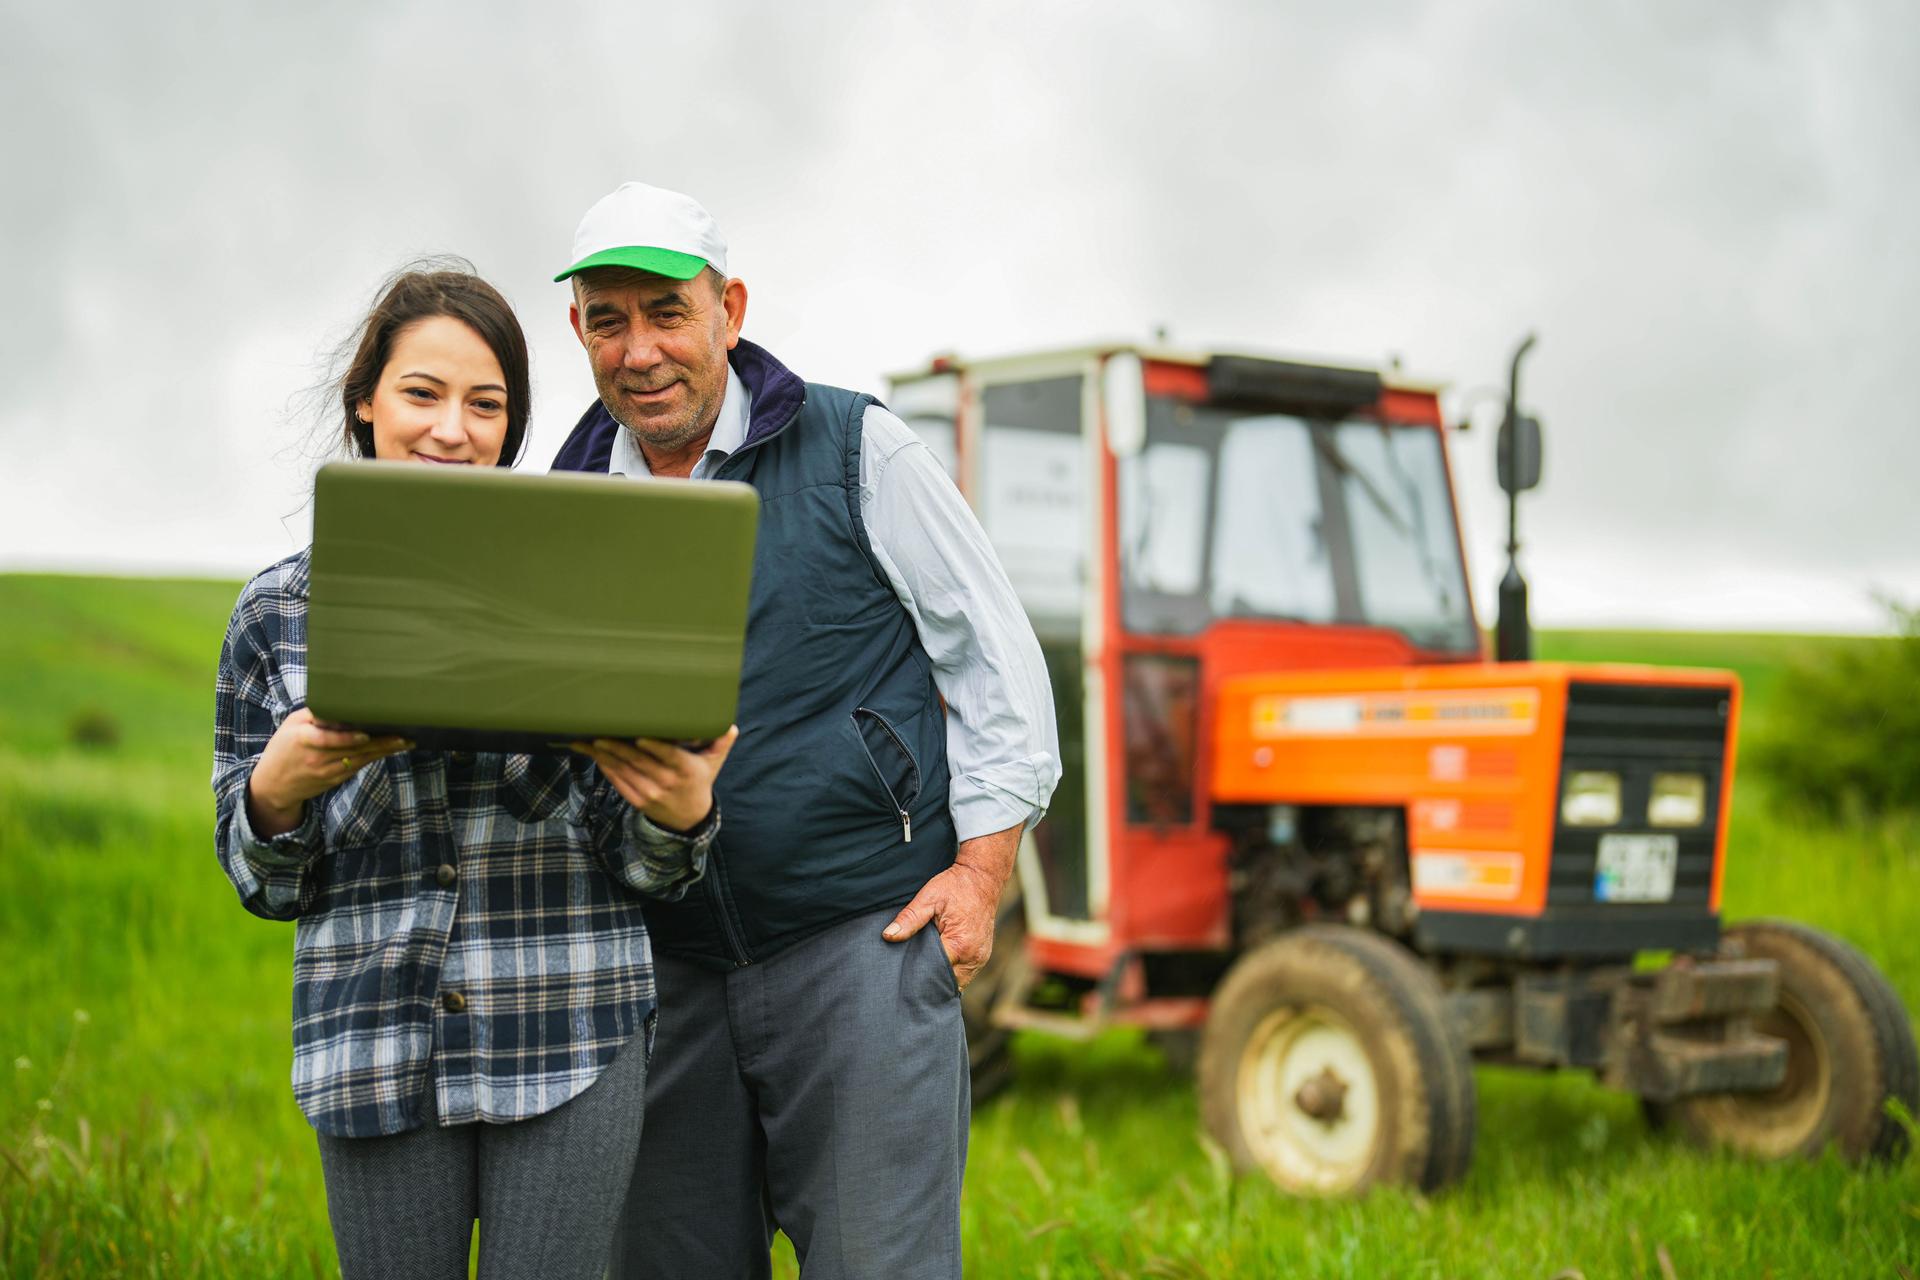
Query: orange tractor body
{"x": 1292, "y": 774}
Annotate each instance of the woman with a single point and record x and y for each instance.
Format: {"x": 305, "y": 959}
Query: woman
{"x": 473, "y": 988}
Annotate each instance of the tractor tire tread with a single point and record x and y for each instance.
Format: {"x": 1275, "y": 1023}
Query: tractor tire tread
{"x": 1897, "y": 1057}
{"x": 1457, "y": 1110}
{"x": 1404, "y": 989}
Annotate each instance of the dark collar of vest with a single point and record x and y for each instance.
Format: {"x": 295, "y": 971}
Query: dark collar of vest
{"x": 777, "y": 392}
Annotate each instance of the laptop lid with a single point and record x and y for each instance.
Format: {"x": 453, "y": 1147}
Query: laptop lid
{"x": 472, "y": 607}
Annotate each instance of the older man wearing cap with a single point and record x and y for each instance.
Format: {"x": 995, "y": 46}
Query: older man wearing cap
{"x": 896, "y": 736}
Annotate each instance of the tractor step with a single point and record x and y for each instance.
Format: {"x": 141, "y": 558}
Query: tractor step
{"x": 1071, "y": 1026}
{"x": 1012, "y": 1011}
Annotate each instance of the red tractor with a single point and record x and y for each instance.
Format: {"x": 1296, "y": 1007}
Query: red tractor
{"x": 1310, "y": 836}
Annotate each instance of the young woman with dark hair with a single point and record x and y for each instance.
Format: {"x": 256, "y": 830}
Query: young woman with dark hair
{"x": 473, "y": 985}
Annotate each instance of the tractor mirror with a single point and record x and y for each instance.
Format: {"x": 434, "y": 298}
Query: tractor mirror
{"x": 1124, "y": 397}
{"x": 1517, "y": 452}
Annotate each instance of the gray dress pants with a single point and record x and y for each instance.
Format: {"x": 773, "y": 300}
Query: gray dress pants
{"x": 824, "y": 1092}
{"x": 547, "y": 1191}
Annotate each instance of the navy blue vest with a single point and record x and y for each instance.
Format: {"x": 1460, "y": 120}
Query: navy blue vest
{"x": 834, "y": 801}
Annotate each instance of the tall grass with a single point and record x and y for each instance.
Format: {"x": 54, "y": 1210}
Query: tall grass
{"x": 147, "y": 1127}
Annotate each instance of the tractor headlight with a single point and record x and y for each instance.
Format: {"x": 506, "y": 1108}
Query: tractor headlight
{"x": 1678, "y": 800}
{"x": 1590, "y": 798}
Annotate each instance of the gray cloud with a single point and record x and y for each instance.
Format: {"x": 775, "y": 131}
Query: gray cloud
{"x": 1703, "y": 211}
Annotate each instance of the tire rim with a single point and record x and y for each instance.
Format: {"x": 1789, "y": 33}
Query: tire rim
{"x": 1781, "y": 1121}
{"x": 1309, "y": 1102}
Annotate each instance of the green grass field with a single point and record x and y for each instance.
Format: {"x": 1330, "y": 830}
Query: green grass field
{"x": 148, "y": 1128}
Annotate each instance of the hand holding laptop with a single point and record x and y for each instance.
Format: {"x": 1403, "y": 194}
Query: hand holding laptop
{"x": 670, "y": 784}
{"x": 303, "y": 759}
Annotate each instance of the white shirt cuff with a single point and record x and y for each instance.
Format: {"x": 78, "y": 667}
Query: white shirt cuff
{"x": 1008, "y": 795}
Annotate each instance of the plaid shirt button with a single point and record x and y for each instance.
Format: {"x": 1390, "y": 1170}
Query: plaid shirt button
{"x": 446, "y": 875}
{"x": 455, "y": 1002}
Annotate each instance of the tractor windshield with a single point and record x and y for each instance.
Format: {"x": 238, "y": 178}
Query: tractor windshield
{"x": 1226, "y": 514}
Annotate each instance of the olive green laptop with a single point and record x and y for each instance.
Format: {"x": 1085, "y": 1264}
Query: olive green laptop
{"x": 474, "y": 608}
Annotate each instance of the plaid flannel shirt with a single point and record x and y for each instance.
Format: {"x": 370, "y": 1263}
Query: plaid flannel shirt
{"x": 476, "y": 912}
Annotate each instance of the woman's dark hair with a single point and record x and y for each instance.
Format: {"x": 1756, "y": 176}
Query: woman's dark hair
{"x": 444, "y": 288}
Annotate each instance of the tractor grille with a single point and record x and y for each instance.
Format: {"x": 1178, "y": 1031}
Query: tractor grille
{"x": 1638, "y": 731}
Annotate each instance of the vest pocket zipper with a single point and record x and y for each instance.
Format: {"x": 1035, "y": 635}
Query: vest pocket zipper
{"x": 913, "y": 768}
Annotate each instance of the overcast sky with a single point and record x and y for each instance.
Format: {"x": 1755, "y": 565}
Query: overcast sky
{"x": 1706, "y": 211}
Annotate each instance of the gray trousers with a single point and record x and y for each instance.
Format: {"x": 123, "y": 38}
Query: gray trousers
{"x": 824, "y": 1092}
{"x": 547, "y": 1191}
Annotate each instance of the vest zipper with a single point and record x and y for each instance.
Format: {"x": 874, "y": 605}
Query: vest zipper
{"x": 906, "y": 819}
{"x": 721, "y": 908}
{"x": 723, "y": 912}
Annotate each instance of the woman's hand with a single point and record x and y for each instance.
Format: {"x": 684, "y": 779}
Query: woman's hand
{"x": 669, "y": 784}
{"x": 303, "y": 759}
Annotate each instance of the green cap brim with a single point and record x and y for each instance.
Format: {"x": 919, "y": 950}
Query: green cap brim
{"x": 661, "y": 262}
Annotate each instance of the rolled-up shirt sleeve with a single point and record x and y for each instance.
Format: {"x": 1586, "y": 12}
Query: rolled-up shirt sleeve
{"x": 1003, "y": 748}
{"x": 641, "y": 854}
{"x": 272, "y": 875}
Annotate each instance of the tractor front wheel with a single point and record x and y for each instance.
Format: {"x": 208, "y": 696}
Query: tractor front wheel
{"x": 1329, "y": 1063}
{"x": 1850, "y": 1049}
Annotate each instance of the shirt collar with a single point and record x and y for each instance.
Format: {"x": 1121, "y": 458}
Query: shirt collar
{"x": 299, "y": 573}
{"x": 729, "y": 432}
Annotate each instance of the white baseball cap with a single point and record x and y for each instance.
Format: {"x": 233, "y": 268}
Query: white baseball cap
{"x": 648, "y": 229}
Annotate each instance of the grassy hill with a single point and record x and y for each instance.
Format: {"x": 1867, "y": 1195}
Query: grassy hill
{"x": 148, "y": 1128}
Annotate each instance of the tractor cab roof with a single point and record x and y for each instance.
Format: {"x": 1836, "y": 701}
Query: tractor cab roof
{"x": 1238, "y": 368}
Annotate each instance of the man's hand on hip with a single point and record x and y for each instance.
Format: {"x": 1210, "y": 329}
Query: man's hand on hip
{"x": 962, "y": 902}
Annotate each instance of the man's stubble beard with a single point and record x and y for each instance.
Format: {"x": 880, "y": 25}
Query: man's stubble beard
{"x": 678, "y": 439}
{"x": 700, "y": 421}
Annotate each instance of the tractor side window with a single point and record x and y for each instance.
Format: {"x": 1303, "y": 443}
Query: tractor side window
{"x": 1163, "y": 512}
{"x": 1165, "y": 499}
{"x": 1033, "y": 481}
{"x": 1270, "y": 556}
{"x": 1032, "y": 498}
{"x": 1401, "y": 520}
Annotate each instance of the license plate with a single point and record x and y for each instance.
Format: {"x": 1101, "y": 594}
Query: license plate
{"x": 1636, "y": 868}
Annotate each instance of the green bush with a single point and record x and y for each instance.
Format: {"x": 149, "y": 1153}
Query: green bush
{"x": 1844, "y": 736}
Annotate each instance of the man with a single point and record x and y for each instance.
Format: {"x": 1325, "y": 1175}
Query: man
{"x": 811, "y": 1068}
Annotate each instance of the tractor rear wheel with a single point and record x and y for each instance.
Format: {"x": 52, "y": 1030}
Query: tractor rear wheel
{"x": 990, "y": 1048}
{"x": 1850, "y": 1049}
{"x": 1329, "y": 1063}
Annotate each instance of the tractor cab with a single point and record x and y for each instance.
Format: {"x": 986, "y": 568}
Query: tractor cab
{"x": 1171, "y": 520}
